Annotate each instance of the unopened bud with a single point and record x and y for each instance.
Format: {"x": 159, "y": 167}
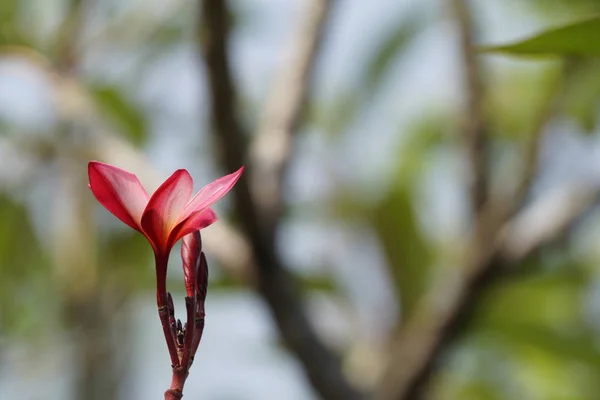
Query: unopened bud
{"x": 202, "y": 278}
{"x": 191, "y": 248}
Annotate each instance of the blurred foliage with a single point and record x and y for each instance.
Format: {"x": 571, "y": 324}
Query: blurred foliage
{"x": 516, "y": 117}
{"x": 582, "y": 97}
{"x": 127, "y": 257}
{"x": 127, "y": 118}
{"x": 25, "y": 279}
{"x": 394, "y": 216}
{"x": 389, "y": 50}
{"x": 337, "y": 115}
{"x": 541, "y": 345}
{"x": 557, "y": 8}
{"x": 12, "y": 33}
{"x": 406, "y": 250}
{"x": 576, "y": 39}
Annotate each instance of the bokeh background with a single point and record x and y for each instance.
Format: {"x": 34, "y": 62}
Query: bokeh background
{"x": 417, "y": 220}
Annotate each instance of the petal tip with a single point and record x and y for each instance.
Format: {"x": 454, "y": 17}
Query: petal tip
{"x": 93, "y": 164}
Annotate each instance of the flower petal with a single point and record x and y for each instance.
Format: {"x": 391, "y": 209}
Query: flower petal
{"x": 119, "y": 191}
{"x": 165, "y": 207}
{"x": 195, "y": 222}
{"x": 212, "y": 192}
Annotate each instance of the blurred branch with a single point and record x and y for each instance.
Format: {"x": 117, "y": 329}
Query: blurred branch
{"x": 545, "y": 220}
{"x": 475, "y": 129}
{"x": 272, "y": 147}
{"x": 68, "y": 37}
{"x": 273, "y": 281}
{"x": 451, "y": 302}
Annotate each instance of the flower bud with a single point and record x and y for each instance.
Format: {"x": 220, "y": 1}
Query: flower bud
{"x": 191, "y": 250}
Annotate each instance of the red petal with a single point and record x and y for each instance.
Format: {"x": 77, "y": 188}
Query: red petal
{"x": 165, "y": 207}
{"x": 212, "y": 192}
{"x": 195, "y": 222}
{"x": 119, "y": 191}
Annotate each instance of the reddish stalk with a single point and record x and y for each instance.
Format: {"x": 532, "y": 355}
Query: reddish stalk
{"x": 198, "y": 329}
{"x": 183, "y": 341}
{"x": 190, "y": 305}
{"x": 163, "y": 308}
{"x": 175, "y": 392}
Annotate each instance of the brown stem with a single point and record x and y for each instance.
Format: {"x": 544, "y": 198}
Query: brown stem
{"x": 272, "y": 148}
{"x": 475, "y": 129}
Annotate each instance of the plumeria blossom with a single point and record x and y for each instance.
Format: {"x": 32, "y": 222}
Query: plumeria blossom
{"x": 166, "y": 216}
{"x": 169, "y": 214}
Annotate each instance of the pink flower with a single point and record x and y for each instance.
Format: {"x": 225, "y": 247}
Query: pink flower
{"x": 171, "y": 213}
{"x": 166, "y": 216}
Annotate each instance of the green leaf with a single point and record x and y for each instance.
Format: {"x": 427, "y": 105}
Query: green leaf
{"x": 423, "y": 135}
{"x": 582, "y": 97}
{"x": 160, "y": 41}
{"x": 579, "y": 346}
{"x": 338, "y": 114}
{"x": 393, "y": 218}
{"x": 25, "y": 292}
{"x": 127, "y": 116}
{"x": 388, "y": 50}
{"x": 543, "y": 359}
{"x": 478, "y": 390}
{"x": 11, "y": 34}
{"x": 547, "y": 299}
{"x": 406, "y": 249}
{"x": 127, "y": 256}
{"x": 518, "y": 96}
{"x": 576, "y": 39}
{"x": 556, "y": 9}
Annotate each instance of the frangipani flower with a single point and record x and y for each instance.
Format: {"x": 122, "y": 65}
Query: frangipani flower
{"x": 166, "y": 216}
{"x": 170, "y": 214}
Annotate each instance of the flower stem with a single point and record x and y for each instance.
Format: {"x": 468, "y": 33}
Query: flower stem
{"x": 177, "y": 382}
{"x": 173, "y": 394}
{"x": 163, "y": 309}
{"x": 190, "y": 305}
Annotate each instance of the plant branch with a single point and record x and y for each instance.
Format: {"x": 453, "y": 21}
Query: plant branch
{"x": 190, "y": 327}
{"x": 271, "y": 150}
{"x": 273, "y": 282}
{"x": 165, "y": 308}
{"x": 475, "y": 129}
{"x": 67, "y": 57}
